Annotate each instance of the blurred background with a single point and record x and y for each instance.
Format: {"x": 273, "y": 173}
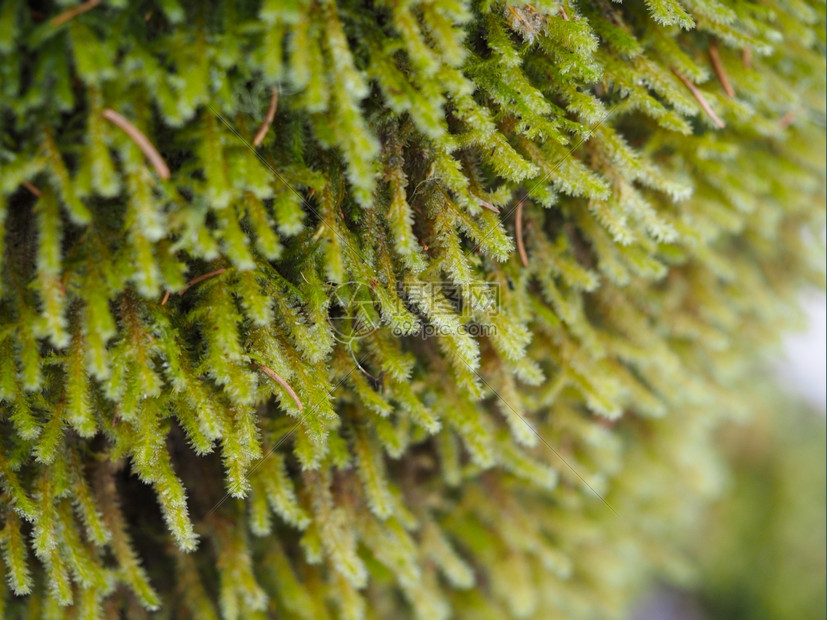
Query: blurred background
{"x": 803, "y": 365}
{"x": 760, "y": 553}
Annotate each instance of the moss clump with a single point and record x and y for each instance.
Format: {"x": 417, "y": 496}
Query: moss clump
{"x": 322, "y": 308}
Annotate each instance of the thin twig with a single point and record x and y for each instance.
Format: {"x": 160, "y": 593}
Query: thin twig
{"x": 268, "y": 120}
{"x": 192, "y": 282}
{"x": 701, "y": 100}
{"x": 746, "y": 58}
{"x": 720, "y": 72}
{"x": 563, "y": 14}
{"x": 32, "y": 189}
{"x": 275, "y": 377}
{"x": 487, "y": 205}
{"x": 364, "y": 372}
{"x": 64, "y": 17}
{"x": 149, "y": 151}
{"x": 519, "y": 224}
{"x": 201, "y": 278}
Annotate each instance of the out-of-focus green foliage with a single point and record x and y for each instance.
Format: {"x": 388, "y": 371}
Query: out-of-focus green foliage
{"x": 192, "y": 417}
{"x": 762, "y": 549}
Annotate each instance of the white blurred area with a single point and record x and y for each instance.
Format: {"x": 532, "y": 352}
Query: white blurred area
{"x": 803, "y": 364}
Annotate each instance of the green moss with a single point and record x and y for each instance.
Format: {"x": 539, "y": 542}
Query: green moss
{"x": 450, "y": 339}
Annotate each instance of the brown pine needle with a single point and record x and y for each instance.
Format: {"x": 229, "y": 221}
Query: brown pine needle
{"x": 193, "y": 282}
{"x": 563, "y": 14}
{"x": 268, "y": 120}
{"x": 701, "y": 100}
{"x": 32, "y": 189}
{"x": 746, "y": 58}
{"x": 149, "y": 151}
{"x": 487, "y": 205}
{"x": 74, "y": 12}
{"x": 720, "y": 72}
{"x": 519, "y": 225}
{"x": 275, "y": 377}
{"x": 201, "y": 278}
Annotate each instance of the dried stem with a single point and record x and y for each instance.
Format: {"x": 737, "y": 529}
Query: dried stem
{"x": 193, "y": 282}
{"x": 64, "y": 17}
{"x": 201, "y": 278}
{"x": 275, "y": 377}
{"x": 268, "y": 120}
{"x": 149, "y": 151}
{"x": 487, "y": 205}
{"x": 701, "y": 100}
{"x": 519, "y": 225}
{"x": 32, "y": 189}
{"x": 720, "y": 72}
{"x": 746, "y": 58}
{"x": 563, "y": 14}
